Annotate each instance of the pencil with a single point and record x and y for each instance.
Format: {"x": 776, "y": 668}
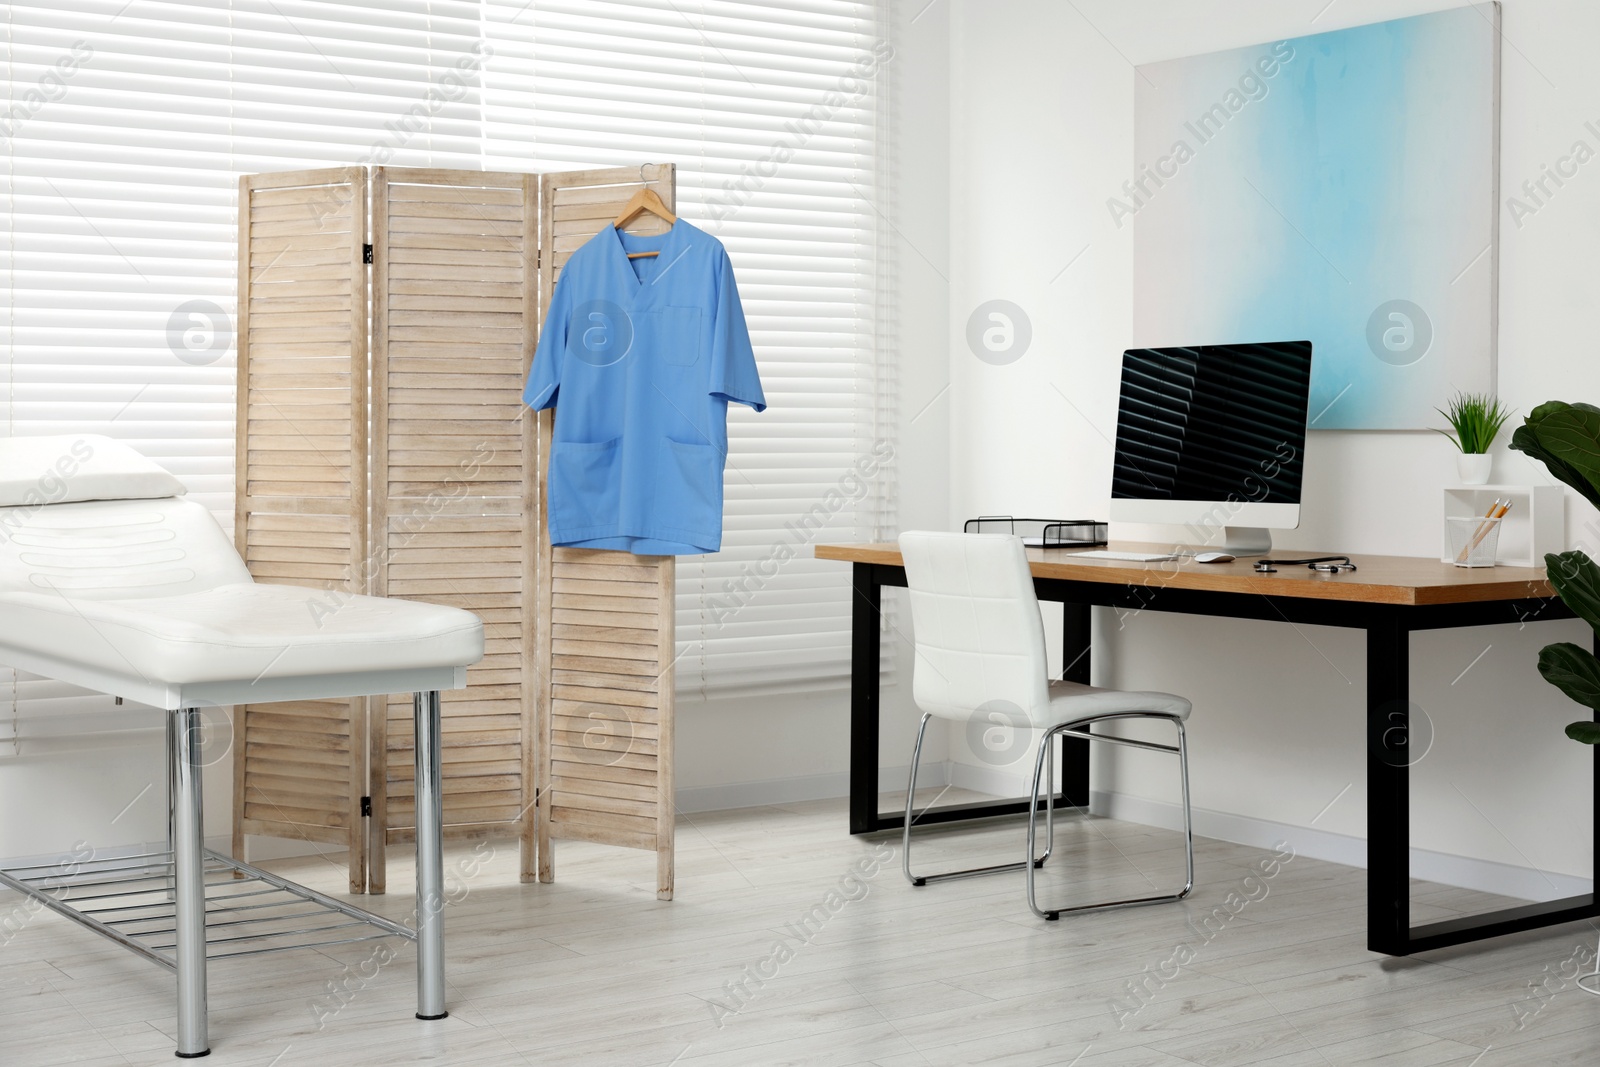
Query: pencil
{"x": 1497, "y": 511}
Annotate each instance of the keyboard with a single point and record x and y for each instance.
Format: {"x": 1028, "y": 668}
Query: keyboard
{"x": 1127, "y": 557}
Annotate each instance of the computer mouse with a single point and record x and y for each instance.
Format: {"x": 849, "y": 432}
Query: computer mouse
{"x": 1213, "y": 557}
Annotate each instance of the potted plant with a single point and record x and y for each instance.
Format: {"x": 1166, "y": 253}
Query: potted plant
{"x": 1475, "y": 420}
{"x": 1566, "y": 439}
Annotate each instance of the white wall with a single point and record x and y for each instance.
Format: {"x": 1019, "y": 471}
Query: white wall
{"x": 1042, "y": 135}
{"x": 105, "y": 789}
{"x": 1015, "y": 124}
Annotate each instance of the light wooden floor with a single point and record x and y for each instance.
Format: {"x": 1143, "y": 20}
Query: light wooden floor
{"x": 592, "y": 970}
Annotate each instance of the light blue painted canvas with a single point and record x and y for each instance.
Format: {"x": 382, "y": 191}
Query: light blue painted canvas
{"x": 1339, "y": 187}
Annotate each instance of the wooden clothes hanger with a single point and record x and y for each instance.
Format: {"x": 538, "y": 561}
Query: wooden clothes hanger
{"x": 644, "y": 200}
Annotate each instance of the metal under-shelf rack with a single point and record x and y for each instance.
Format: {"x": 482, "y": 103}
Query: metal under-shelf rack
{"x": 249, "y": 911}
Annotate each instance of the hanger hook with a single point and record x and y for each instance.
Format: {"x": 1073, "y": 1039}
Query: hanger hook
{"x": 642, "y": 178}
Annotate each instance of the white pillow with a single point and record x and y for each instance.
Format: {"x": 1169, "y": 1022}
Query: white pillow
{"x": 61, "y": 469}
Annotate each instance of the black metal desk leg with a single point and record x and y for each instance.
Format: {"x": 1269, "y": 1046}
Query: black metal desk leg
{"x": 1388, "y": 786}
{"x": 865, "y": 610}
{"x": 1076, "y": 639}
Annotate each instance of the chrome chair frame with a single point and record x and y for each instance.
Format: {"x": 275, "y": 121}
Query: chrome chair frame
{"x": 1081, "y": 728}
{"x": 911, "y": 791}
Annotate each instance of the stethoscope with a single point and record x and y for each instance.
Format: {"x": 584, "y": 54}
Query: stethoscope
{"x": 1325, "y": 564}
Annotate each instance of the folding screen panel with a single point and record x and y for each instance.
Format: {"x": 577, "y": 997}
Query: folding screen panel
{"x": 454, "y": 302}
{"x": 572, "y": 704}
{"x": 606, "y": 618}
{"x": 301, "y": 500}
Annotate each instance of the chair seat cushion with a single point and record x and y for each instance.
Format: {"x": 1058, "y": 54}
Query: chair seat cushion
{"x": 241, "y": 631}
{"x": 1072, "y": 700}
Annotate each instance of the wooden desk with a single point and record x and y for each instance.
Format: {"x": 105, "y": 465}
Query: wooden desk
{"x": 1389, "y": 597}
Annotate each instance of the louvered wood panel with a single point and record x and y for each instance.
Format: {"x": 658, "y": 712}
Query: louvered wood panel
{"x": 606, "y": 633}
{"x": 454, "y": 319}
{"x": 301, "y": 500}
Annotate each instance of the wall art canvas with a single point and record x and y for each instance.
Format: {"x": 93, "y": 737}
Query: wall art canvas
{"x": 1339, "y": 187}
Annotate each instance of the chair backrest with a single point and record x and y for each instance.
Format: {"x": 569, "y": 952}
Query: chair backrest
{"x": 976, "y": 626}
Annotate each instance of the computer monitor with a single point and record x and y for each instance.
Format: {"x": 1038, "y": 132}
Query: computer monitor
{"x": 1213, "y": 439}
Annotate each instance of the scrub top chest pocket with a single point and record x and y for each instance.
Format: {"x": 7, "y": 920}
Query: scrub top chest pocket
{"x": 675, "y": 333}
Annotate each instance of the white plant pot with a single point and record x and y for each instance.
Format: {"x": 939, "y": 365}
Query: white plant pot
{"x": 1474, "y": 469}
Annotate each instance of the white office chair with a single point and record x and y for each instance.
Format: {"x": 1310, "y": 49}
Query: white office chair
{"x": 980, "y": 646}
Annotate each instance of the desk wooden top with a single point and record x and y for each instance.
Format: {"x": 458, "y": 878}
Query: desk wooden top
{"x": 1409, "y": 580}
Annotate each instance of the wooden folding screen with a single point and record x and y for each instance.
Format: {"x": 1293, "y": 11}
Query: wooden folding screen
{"x": 454, "y": 317}
{"x": 301, "y": 505}
{"x": 606, "y": 618}
{"x": 565, "y": 728}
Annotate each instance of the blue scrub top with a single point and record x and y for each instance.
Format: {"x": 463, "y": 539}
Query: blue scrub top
{"x": 641, "y": 357}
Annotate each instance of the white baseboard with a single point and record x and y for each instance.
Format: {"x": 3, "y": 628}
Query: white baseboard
{"x": 265, "y": 849}
{"x": 1487, "y": 876}
{"x": 1012, "y": 781}
{"x": 808, "y": 787}
{"x": 222, "y": 844}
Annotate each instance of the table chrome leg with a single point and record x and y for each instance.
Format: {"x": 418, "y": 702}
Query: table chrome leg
{"x": 172, "y": 797}
{"x": 189, "y": 890}
{"x": 430, "y": 859}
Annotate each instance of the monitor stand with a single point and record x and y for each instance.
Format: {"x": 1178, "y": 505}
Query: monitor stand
{"x": 1245, "y": 541}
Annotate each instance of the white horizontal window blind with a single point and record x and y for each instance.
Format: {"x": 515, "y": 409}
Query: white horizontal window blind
{"x": 126, "y": 127}
{"x": 768, "y": 107}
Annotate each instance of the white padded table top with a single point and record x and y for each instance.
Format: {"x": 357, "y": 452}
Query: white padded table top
{"x": 243, "y": 631}
{"x": 147, "y": 599}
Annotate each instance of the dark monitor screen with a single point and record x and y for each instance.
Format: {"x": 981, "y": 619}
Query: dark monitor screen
{"x": 1215, "y": 422}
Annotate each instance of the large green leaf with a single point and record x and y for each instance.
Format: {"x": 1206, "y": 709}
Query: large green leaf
{"x": 1550, "y": 407}
{"x": 1573, "y": 670}
{"x": 1545, "y": 410}
{"x": 1577, "y": 581}
{"x": 1573, "y": 436}
{"x": 1527, "y": 438}
{"x": 1587, "y": 732}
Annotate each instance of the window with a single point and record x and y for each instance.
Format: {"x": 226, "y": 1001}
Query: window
{"x": 127, "y": 125}
{"x": 769, "y": 108}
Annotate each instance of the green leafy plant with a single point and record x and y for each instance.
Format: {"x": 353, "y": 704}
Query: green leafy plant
{"x": 1476, "y": 419}
{"x": 1572, "y": 668}
{"x": 1566, "y": 439}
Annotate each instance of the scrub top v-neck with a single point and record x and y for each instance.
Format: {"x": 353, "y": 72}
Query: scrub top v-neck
{"x": 641, "y": 358}
{"x": 646, "y": 269}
